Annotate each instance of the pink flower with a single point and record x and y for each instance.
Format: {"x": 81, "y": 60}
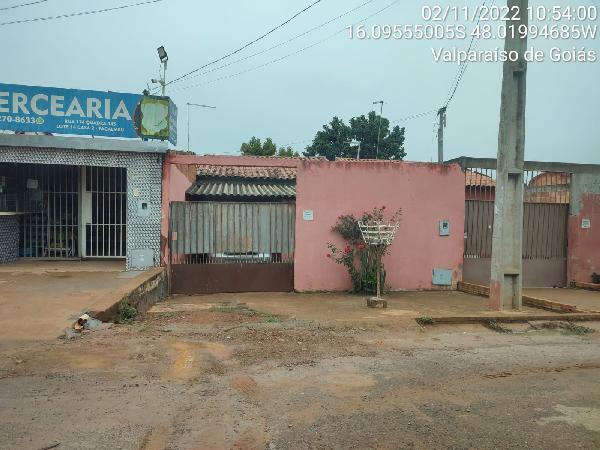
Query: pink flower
{"x": 328, "y": 255}
{"x": 347, "y": 250}
{"x": 360, "y": 246}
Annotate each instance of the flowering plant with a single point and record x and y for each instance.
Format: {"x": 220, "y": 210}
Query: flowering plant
{"x": 356, "y": 256}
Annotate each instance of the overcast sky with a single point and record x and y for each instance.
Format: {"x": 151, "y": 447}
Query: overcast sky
{"x": 290, "y": 100}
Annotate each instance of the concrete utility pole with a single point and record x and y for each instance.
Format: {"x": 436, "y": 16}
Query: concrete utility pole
{"x": 507, "y": 241}
{"x": 379, "y": 132}
{"x": 441, "y": 126}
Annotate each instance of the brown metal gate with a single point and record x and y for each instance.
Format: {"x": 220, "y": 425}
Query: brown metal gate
{"x": 545, "y": 218}
{"x": 231, "y": 247}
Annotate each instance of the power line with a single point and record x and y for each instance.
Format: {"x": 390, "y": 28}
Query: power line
{"x": 82, "y": 13}
{"x": 246, "y": 45}
{"x": 273, "y": 61}
{"x": 415, "y": 116}
{"x": 463, "y": 67}
{"x": 281, "y": 43}
{"x": 22, "y": 4}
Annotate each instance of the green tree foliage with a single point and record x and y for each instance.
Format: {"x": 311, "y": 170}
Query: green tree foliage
{"x": 334, "y": 141}
{"x": 254, "y": 147}
{"x": 288, "y": 152}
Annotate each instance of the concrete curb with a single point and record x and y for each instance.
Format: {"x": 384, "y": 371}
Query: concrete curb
{"x": 151, "y": 290}
{"x": 528, "y": 300}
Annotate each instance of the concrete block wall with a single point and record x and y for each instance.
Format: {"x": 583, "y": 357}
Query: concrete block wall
{"x": 584, "y": 241}
{"x": 144, "y": 177}
{"x": 9, "y": 238}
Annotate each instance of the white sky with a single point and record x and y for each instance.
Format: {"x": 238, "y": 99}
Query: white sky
{"x": 291, "y": 100}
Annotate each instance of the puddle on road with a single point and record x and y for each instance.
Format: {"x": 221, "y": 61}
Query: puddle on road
{"x": 588, "y": 418}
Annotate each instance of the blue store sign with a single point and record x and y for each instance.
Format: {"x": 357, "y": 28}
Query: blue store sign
{"x": 94, "y": 113}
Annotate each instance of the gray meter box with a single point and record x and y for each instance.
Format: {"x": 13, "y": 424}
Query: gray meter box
{"x": 444, "y": 227}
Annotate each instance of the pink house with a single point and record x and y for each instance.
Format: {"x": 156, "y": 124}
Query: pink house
{"x": 427, "y": 193}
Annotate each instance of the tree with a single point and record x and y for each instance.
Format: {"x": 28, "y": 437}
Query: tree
{"x": 334, "y": 141}
{"x": 331, "y": 142}
{"x": 288, "y": 152}
{"x": 254, "y": 147}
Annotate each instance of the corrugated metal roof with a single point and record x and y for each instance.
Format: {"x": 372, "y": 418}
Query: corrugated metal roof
{"x": 234, "y": 188}
{"x": 251, "y": 172}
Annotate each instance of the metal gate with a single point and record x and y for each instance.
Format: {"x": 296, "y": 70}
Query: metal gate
{"x": 545, "y": 218}
{"x": 231, "y": 247}
{"x": 105, "y": 212}
{"x": 48, "y": 197}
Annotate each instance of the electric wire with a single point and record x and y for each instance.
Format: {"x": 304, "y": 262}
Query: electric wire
{"x": 415, "y": 116}
{"x": 5, "y": 8}
{"x": 281, "y": 43}
{"x": 273, "y": 61}
{"x": 81, "y": 13}
{"x": 463, "y": 67}
{"x": 245, "y": 45}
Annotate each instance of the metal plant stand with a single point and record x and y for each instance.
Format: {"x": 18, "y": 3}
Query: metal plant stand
{"x": 378, "y": 237}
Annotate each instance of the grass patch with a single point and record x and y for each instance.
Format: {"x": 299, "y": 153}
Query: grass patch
{"x": 566, "y": 328}
{"x": 497, "y": 327}
{"x": 127, "y": 313}
{"x": 425, "y": 320}
{"x": 271, "y": 319}
{"x": 235, "y": 309}
{"x": 243, "y": 310}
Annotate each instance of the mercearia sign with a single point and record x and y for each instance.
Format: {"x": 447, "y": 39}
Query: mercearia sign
{"x": 95, "y": 113}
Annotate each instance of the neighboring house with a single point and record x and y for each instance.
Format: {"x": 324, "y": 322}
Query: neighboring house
{"x": 243, "y": 184}
{"x": 546, "y": 187}
{"x": 479, "y": 186}
{"x": 549, "y": 187}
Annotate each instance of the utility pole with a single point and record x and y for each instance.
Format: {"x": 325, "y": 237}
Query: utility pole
{"x": 188, "y": 118}
{"x": 441, "y": 126}
{"x": 506, "y": 283}
{"x": 380, "y": 102}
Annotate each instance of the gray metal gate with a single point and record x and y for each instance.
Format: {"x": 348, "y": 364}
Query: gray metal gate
{"x": 545, "y": 219}
{"x": 231, "y": 247}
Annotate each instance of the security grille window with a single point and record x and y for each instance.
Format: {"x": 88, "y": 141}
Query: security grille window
{"x": 48, "y": 197}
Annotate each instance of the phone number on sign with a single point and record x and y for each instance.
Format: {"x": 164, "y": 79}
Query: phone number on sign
{"x": 484, "y": 31}
{"x": 20, "y": 119}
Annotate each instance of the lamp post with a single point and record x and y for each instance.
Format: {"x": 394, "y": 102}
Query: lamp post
{"x": 162, "y": 55}
{"x": 380, "y": 102}
{"x": 356, "y": 143}
{"x": 188, "y": 118}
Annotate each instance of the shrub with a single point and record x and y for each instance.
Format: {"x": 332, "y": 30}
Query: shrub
{"x": 127, "y": 313}
{"x": 359, "y": 260}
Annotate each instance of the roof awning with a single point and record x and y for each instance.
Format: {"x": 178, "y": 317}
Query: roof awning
{"x": 255, "y": 189}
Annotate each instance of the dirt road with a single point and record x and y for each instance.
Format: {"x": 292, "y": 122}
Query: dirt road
{"x": 229, "y": 377}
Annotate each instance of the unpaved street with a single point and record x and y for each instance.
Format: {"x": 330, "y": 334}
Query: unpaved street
{"x": 231, "y": 377}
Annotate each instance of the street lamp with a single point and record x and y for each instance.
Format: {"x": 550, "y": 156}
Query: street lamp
{"x": 188, "y": 118}
{"x": 356, "y": 143}
{"x": 379, "y": 132}
{"x": 162, "y": 55}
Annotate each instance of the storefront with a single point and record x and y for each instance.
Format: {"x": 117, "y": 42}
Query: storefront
{"x": 71, "y": 198}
